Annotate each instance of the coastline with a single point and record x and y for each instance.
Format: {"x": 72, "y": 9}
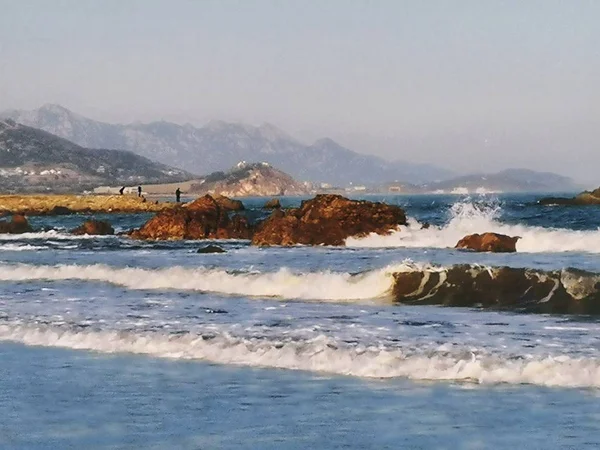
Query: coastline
{"x": 57, "y": 204}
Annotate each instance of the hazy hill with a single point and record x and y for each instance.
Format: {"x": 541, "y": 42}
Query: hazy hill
{"x": 32, "y": 159}
{"x": 259, "y": 179}
{"x": 220, "y": 145}
{"x": 509, "y": 180}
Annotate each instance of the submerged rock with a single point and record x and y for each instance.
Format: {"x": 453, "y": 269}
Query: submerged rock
{"x": 211, "y": 249}
{"x": 489, "y": 242}
{"x": 204, "y": 218}
{"x": 94, "y": 227}
{"x": 567, "y": 291}
{"x": 328, "y": 220}
{"x": 17, "y": 225}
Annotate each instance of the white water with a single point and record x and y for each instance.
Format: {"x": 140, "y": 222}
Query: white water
{"x": 282, "y": 283}
{"x": 51, "y": 234}
{"x": 323, "y": 354}
{"x": 468, "y": 218}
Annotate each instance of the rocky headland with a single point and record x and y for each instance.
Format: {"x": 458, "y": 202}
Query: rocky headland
{"x": 250, "y": 180}
{"x": 584, "y": 198}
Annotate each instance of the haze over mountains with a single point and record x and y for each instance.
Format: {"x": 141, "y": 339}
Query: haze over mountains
{"x": 33, "y": 160}
{"x": 220, "y": 145}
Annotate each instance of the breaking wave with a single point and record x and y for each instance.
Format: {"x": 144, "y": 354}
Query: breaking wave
{"x": 51, "y": 234}
{"x": 468, "y": 218}
{"x": 323, "y": 354}
{"x": 284, "y": 283}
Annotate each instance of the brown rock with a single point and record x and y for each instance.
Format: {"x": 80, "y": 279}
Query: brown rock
{"x": 17, "y": 225}
{"x": 489, "y": 242}
{"x": 328, "y": 220}
{"x": 228, "y": 203}
{"x": 97, "y": 227}
{"x": 272, "y": 204}
{"x": 204, "y": 218}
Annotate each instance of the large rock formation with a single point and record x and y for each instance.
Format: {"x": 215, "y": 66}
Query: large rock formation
{"x": 17, "y": 225}
{"x": 489, "y": 242}
{"x": 204, "y": 218}
{"x": 94, "y": 227}
{"x": 567, "y": 291}
{"x": 328, "y": 220}
{"x": 584, "y": 198}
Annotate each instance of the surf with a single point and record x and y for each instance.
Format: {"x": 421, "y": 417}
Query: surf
{"x": 322, "y": 354}
{"x": 468, "y": 218}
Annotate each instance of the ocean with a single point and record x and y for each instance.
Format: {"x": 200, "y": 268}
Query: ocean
{"x": 106, "y": 342}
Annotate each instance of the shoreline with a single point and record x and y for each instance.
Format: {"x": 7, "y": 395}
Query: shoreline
{"x": 59, "y": 204}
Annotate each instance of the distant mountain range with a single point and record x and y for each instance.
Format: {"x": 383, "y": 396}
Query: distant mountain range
{"x": 34, "y": 160}
{"x": 221, "y": 145}
{"x": 509, "y": 180}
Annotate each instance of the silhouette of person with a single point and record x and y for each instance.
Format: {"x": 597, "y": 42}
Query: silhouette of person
{"x": 139, "y": 191}
{"x": 122, "y": 190}
{"x": 178, "y": 195}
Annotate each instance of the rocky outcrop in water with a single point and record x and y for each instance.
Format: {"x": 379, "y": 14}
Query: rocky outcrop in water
{"x": 328, "y": 220}
{"x": 585, "y": 198}
{"x": 204, "y": 218}
{"x": 17, "y": 225}
{"x": 272, "y": 204}
{"x": 568, "y": 291}
{"x": 489, "y": 242}
{"x": 94, "y": 227}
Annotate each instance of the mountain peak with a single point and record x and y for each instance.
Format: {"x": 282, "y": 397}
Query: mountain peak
{"x": 55, "y": 108}
{"x": 272, "y": 133}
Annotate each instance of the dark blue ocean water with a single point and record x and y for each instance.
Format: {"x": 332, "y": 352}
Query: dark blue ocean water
{"x": 107, "y": 342}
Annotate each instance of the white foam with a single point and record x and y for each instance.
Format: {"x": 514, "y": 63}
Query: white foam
{"x": 20, "y": 247}
{"x": 284, "y": 283}
{"x": 51, "y": 234}
{"x": 468, "y": 218}
{"x": 322, "y": 354}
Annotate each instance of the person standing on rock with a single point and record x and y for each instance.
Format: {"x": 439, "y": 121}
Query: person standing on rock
{"x": 178, "y": 195}
{"x": 139, "y": 191}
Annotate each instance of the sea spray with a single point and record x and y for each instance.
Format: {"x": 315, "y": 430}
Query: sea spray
{"x": 468, "y": 218}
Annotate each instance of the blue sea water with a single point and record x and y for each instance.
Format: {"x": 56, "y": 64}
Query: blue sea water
{"x": 107, "y": 342}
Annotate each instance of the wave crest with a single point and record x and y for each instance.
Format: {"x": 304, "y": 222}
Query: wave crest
{"x": 284, "y": 283}
{"x": 322, "y": 354}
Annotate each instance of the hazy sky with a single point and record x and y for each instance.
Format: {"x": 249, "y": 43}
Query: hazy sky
{"x": 471, "y": 84}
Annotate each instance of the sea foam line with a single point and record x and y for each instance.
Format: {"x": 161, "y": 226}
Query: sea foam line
{"x": 321, "y": 354}
{"x": 284, "y": 283}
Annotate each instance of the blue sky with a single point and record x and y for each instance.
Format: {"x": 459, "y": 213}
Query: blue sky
{"x": 473, "y": 85}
